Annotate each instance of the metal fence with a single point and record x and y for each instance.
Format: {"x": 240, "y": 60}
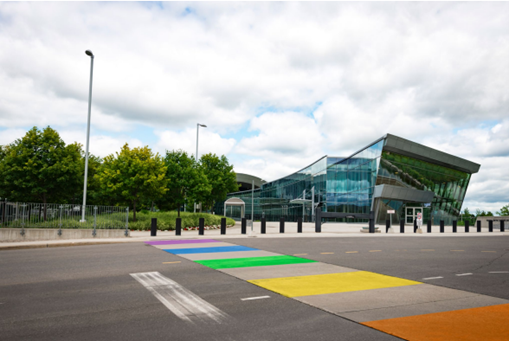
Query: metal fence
{"x": 38, "y": 215}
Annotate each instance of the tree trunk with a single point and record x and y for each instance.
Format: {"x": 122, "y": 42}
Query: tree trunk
{"x": 134, "y": 210}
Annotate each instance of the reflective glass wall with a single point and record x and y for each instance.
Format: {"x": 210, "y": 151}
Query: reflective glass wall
{"x": 449, "y": 185}
{"x": 351, "y": 181}
{"x": 274, "y": 199}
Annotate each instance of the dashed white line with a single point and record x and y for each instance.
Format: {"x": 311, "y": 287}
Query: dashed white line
{"x": 254, "y": 298}
{"x": 178, "y": 299}
{"x": 499, "y": 272}
{"x": 438, "y": 277}
{"x": 465, "y": 274}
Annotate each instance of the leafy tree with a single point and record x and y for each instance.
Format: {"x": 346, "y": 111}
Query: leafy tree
{"x": 504, "y": 211}
{"x": 133, "y": 176}
{"x": 221, "y": 177}
{"x": 40, "y": 167}
{"x": 186, "y": 181}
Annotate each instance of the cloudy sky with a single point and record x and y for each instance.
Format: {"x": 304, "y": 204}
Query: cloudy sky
{"x": 278, "y": 84}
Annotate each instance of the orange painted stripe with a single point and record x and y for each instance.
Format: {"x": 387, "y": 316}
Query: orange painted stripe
{"x": 485, "y": 323}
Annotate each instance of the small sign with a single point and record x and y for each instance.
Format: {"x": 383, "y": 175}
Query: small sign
{"x": 391, "y": 211}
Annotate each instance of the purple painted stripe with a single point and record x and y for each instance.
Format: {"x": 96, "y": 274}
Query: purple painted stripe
{"x": 188, "y": 241}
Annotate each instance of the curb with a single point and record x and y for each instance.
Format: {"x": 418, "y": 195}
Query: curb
{"x": 42, "y": 246}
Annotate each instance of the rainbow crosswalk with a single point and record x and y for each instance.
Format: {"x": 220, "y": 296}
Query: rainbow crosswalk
{"x": 408, "y": 309}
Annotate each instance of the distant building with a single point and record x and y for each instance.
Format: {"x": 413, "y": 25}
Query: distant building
{"x": 391, "y": 174}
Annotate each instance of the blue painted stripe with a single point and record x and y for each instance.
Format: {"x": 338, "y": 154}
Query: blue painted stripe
{"x": 210, "y": 249}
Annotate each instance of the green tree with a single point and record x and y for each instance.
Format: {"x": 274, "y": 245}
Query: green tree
{"x": 221, "y": 176}
{"x": 504, "y": 211}
{"x": 133, "y": 176}
{"x": 186, "y": 180}
{"x": 40, "y": 167}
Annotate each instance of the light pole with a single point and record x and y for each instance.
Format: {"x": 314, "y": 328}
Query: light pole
{"x": 88, "y": 53}
{"x": 198, "y": 125}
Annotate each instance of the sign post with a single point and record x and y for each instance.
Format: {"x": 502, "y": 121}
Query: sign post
{"x": 390, "y": 213}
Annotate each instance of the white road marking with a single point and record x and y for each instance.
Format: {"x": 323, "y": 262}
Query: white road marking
{"x": 499, "y": 272}
{"x": 178, "y": 299}
{"x": 438, "y": 277}
{"x": 465, "y": 274}
{"x": 254, "y": 298}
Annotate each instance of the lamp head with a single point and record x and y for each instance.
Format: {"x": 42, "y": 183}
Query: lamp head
{"x": 202, "y": 125}
{"x": 89, "y": 53}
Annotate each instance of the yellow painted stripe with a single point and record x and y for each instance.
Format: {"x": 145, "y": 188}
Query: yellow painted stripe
{"x": 352, "y": 252}
{"x": 171, "y": 262}
{"x": 300, "y": 254}
{"x": 489, "y": 251}
{"x": 330, "y": 283}
{"x": 327, "y": 253}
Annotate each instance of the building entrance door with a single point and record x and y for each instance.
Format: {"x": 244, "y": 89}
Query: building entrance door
{"x": 411, "y": 214}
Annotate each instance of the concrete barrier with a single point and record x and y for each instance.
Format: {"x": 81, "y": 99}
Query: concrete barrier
{"x": 14, "y": 235}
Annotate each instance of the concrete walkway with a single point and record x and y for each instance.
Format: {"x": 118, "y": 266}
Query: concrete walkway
{"x": 329, "y": 230}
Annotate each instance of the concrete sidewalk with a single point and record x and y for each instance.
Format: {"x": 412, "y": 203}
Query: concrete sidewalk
{"x": 329, "y": 230}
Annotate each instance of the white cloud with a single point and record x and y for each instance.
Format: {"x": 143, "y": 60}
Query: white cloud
{"x": 208, "y": 142}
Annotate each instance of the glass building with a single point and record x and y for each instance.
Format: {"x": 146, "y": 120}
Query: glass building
{"x": 390, "y": 175}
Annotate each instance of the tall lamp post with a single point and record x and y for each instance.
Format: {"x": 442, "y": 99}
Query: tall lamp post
{"x": 198, "y": 125}
{"x": 88, "y": 53}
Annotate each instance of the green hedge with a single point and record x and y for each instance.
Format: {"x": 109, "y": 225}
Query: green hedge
{"x": 166, "y": 220}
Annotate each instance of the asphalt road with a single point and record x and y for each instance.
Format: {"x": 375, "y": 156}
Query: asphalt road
{"x": 86, "y": 292}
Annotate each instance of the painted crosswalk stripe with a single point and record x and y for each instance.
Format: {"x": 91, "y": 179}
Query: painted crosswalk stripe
{"x": 254, "y": 298}
{"x": 180, "y": 301}
{"x": 253, "y": 261}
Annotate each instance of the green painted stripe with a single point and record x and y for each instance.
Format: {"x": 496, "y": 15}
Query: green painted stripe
{"x": 253, "y": 261}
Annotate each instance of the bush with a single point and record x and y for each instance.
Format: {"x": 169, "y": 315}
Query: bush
{"x": 166, "y": 220}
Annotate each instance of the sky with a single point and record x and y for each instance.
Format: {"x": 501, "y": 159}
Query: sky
{"x": 278, "y": 84}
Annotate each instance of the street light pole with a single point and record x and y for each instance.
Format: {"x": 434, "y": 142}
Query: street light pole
{"x": 198, "y": 125}
{"x": 88, "y": 53}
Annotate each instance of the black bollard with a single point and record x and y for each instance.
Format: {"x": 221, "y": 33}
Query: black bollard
{"x": 299, "y": 225}
{"x": 442, "y": 226}
{"x": 264, "y": 226}
{"x": 178, "y": 227}
{"x": 153, "y": 227}
{"x": 490, "y": 225}
{"x": 387, "y": 225}
{"x": 371, "y": 225}
{"x": 429, "y": 226}
{"x": 201, "y": 226}
{"x": 281, "y": 225}
{"x": 243, "y": 226}
{"x": 415, "y": 225}
{"x": 502, "y": 226}
{"x": 454, "y": 226}
{"x": 401, "y": 226}
{"x": 478, "y": 226}
{"x": 467, "y": 226}
{"x": 223, "y": 225}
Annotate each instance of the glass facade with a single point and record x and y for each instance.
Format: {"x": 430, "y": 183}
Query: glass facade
{"x": 348, "y": 185}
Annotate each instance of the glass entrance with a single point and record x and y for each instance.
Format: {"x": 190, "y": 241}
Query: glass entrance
{"x": 411, "y": 214}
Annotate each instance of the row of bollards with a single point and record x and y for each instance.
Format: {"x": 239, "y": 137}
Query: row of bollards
{"x": 201, "y": 226}
{"x": 442, "y": 226}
